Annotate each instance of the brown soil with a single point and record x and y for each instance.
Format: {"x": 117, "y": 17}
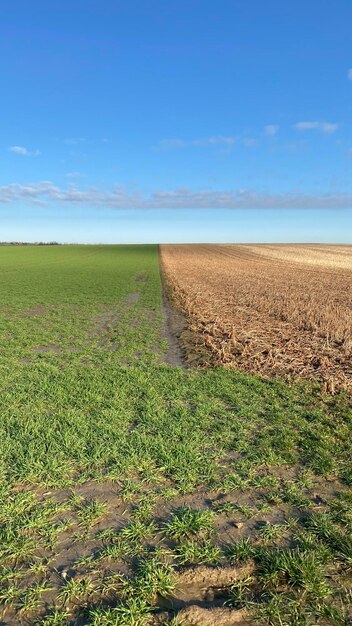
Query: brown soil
{"x": 132, "y": 298}
{"x": 142, "y": 278}
{"x": 198, "y": 616}
{"x": 273, "y": 310}
{"x": 174, "y": 326}
{"x": 50, "y": 347}
{"x": 200, "y": 591}
{"x": 36, "y": 311}
{"x": 204, "y": 586}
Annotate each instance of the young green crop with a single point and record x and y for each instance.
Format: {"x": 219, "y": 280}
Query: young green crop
{"x": 117, "y": 469}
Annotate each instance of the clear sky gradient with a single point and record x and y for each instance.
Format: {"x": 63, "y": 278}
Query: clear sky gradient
{"x": 177, "y": 120}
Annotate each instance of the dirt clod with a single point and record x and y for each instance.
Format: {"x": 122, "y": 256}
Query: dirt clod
{"x": 205, "y": 585}
{"x": 197, "y": 616}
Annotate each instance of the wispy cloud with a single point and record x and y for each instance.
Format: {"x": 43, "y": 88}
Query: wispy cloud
{"x": 349, "y": 74}
{"x": 225, "y": 142}
{"x": 214, "y": 140}
{"x": 23, "y": 151}
{"x": 19, "y": 150}
{"x": 324, "y": 127}
{"x": 171, "y": 144}
{"x": 270, "y": 130}
{"x": 74, "y": 141}
{"x": 249, "y": 142}
{"x": 46, "y": 193}
{"x": 75, "y": 175}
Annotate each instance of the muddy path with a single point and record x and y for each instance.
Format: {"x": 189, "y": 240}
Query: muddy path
{"x": 175, "y": 324}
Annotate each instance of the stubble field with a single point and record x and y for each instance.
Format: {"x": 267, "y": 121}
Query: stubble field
{"x": 136, "y": 491}
{"x": 272, "y": 310}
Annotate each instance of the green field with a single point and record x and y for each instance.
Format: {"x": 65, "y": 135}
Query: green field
{"x": 119, "y": 473}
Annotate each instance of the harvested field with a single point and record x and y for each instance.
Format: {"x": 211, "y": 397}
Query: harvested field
{"x": 268, "y": 309}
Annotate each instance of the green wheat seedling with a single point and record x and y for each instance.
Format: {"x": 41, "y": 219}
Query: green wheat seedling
{"x": 110, "y": 586}
{"x": 144, "y": 509}
{"x": 137, "y": 531}
{"x": 130, "y": 489}
{"x": 39, "y": 567}
{"x": 240, "y": 593}
{"x": 242, "y": 550}
{"x": 114, "y": 551}
{"x": 193, "y": 552}
{"x": 16, "y": 548}
{"x": 273, "y": 533}
{"x": 10, "y": 595}
{"x": 338, "y": 540}
{"x": 56, "y": 617}
{"x": 135, "y": 612}
{"x": 186, "y": 522}
{"x": 341, "y": 510}
{"x": 299, "y": 568}
{"x": 154, "y": 578}
{"x": 75, "y": 589}
{"x": 226, "y": 508}
{"x": 31, "y": 600}
{"x": 25, "y": 600}
{"x": 90, "y": 512}
{"x": 292, "y": 493}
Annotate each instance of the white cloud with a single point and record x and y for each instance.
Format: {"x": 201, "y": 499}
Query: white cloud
{"x": 46, "y": 193}
{"x": 349, "y": 74}
{"x": 23, "y": 151}
{"x": 214, "y": 140}
{"x": 270, "y": 130}
{"x": 324, "y": 127}
{"x": 19, "y": 150}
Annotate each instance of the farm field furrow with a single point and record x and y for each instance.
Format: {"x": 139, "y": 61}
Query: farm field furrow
{"x": 273, "y": 310}
{"x": 137, "y": 493}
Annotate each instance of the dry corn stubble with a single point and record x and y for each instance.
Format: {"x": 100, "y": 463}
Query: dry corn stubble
{"x": 273, "y": 310}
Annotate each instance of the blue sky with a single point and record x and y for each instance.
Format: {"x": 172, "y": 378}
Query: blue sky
{"x": 177, "y": 120}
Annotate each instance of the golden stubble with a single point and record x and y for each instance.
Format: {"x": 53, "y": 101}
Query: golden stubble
{"x": 269, "y": 309}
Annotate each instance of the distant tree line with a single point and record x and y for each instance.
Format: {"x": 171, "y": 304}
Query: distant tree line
{"x": 30, "y": 243}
